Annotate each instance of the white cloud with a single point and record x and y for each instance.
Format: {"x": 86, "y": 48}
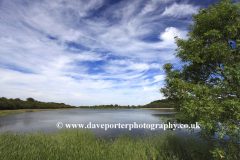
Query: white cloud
{"x": 180, "y": 10}
{"x": 159, "y": 78}
{"x": 109, "y": 57}
{"x": 86, "y": 6}
{"x": 88, "y": 56}
{"x": 67, "y": 90}
{"x": 152, "y": 5}
{"x": 169, "y": 34}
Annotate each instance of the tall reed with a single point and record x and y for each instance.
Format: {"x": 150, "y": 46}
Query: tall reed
{"x": 82, "y": 144}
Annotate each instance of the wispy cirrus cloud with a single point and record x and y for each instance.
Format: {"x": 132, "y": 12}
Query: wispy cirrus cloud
{"x": 89, "y": 52}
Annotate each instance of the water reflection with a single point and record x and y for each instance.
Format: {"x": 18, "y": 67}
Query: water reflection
{"x": 46, "y": 121}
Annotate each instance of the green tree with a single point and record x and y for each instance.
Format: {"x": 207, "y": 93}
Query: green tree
{"x": 3, "y": 99}
{"x": 30, "y": 99}
{"x": 17, "y": 99}
{"x": 207, "y": 89}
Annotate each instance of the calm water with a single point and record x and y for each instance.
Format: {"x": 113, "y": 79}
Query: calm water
{"x": 46, "y": 120}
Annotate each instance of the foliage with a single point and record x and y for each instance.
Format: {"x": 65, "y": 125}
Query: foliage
{"x": 30, "y": 99}
{"x": 207, "y": 90}
{"x": 30, "y": 103}
{"x": 110, "y": 107}
{"x": 163, "y": 103}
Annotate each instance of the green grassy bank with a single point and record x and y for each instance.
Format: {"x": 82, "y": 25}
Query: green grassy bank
{"x": 75, "y": 144}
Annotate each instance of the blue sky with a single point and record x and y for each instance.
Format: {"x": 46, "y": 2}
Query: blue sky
{"x": 91, "y": 52}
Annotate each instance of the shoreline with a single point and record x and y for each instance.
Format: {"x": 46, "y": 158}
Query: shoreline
{"x": 35, "y": 109}
{"x": 156, "y": 108}
{"x": 5, "y": 113}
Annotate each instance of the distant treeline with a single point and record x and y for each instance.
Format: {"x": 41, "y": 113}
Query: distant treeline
{"x": 164, "y": 103}
{"x": 30, "y": 103}
{"x": 111, "y": 106}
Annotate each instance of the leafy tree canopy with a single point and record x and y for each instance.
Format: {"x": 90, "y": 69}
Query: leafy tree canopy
{"x": 30, "y": 99}
{"x": 207, "y": 89}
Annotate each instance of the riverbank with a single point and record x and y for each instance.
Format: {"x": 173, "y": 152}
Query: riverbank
{"x": 105, "y": 108}
{"x": 75, "y": 144}
{"x": 156, "y": 108}
{"x": 5, "y": 113}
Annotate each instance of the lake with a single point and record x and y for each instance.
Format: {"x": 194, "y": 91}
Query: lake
{"x": 46, "y": 121}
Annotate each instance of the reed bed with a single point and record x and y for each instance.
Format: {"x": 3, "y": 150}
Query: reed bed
{"x": 83, "y": 145}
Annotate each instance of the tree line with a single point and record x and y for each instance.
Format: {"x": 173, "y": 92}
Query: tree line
{"x": 116, "y": 106}
{"x": 30, "y": 103}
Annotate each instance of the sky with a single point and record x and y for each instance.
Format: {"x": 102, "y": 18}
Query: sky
{"x": 94, "y": 52}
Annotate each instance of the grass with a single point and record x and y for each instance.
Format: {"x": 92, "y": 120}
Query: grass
{"x": 83, "y": 145}
{"x": 5, "y": 113}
